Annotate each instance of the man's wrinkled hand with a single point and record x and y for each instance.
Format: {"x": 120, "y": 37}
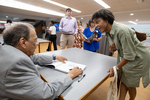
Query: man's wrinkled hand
{"x": 61, "y": 58}
{"x": 76, "y": 71}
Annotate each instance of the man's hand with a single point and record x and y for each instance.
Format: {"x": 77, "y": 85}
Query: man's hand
{"x": 74, "y": 34}
{"x": 111, "y": 70}
{"x": 112, "y": 47}
{"x": 61, "y": 58}
{"x": 76, "y": 71}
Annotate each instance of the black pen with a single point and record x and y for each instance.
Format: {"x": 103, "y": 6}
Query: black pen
{"x": 81, "y": 78}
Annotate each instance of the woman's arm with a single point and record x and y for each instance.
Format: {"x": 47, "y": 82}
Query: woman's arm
{"x": 97, "y": 39}
{"x": 49, "y": 31}
{"x": 81, "y": 38}
{"x": 86, "y": 41}
{"x": 120, "y": 65}
{"x": 85, "y": 32}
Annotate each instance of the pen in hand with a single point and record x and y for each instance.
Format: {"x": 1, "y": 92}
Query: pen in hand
{"x": 81, "y": 78}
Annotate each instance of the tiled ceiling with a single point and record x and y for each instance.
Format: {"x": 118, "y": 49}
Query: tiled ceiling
{"x": 120, "y": 8}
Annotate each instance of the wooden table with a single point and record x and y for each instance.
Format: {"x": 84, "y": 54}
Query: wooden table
{"x": 42, "y": 41}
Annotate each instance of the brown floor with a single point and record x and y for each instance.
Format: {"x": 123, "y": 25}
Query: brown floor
{"x": 101, "y": 92}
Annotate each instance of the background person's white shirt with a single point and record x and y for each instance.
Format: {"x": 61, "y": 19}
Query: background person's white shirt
{"x": 7, "y": 25}
{"x": 53, "y": 30}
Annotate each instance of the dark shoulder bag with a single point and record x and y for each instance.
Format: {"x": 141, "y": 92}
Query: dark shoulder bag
{"x": 140, "y": 36}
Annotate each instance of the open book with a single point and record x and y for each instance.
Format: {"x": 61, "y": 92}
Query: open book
{"x": 93, "y": 35}
{"x": 65, "y": 67}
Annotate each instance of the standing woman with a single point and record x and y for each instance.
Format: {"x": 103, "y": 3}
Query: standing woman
{"x": 8, "y": 23}
{"x": 53, "y": 37}
{"x": 88, "y": 32}
{"x": 133, "y": 58}
{"x": 78, "y": 37}
{"x": 44, "y": 30}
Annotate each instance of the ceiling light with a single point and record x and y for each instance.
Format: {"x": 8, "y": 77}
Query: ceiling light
{"x": 28, "y": 7}
{"x": 58, "y": 4}
{"x": 131, "y": 14}
{"x": 132, "y": 22}
{"x": 82, "y": 18}
{"x": 136, "y": 20}
{"x": 102, "y": 3}
{"x": 6, "y": 16}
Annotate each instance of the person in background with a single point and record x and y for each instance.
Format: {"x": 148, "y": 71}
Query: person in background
{"x": 133, "y": 60}
{"x": 88, "y": 32}
{"x": 80, "y": 23}
{"x": 19, "y": 77}
{"x": 78, "y": 37}
{"x": 83, "y": 38}
{"x": 87, "y": 25}
{"x": 53, "y": 37}
{"x": 68, "y": 26}
{"x": 44, "y": 30}
{"x": 8, "y": 23}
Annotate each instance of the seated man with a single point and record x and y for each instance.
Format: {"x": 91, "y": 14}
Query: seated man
{"x": 19, "y": 78}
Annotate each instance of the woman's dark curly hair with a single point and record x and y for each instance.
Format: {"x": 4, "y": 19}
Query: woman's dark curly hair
{"x": 105, "y": 15}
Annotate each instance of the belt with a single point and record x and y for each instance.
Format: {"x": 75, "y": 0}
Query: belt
{"x": 67, "y": 34}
